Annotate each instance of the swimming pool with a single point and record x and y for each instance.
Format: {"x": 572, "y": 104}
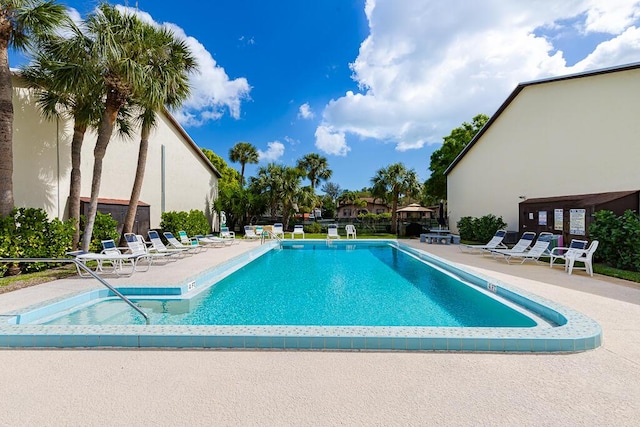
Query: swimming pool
{"x": 337, "y": 284}
{"x": 538, "y": 326}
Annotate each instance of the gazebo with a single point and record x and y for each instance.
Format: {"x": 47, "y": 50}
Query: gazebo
{"x": 414, "y": 211}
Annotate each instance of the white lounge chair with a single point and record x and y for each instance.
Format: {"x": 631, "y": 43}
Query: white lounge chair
{"x": 351, "y": 231}
{"x": 250, "y": 232}
{"x": 110, "y": 261}
{"x": 540, "y": 249}
{"x": 137, "y": 246}
{"x": 297, "y": 229}
{"x": 494, "y": 243}
{"x": 215, "y": 241}
{"x": 176, "y": 244}
{"x": 201, "y": 241}
{"x": 560, "y": 252}
{"x": 278, "y": 230}
{"x": 525, "y": 242}
{"x": 225, "y": 233}
{"x": 160, "y": 247}
{"x": 585, "y": 257}
{"x": 332, "y": 232}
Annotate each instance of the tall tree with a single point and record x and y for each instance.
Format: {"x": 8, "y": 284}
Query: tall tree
{"x": 332, "y": 190}
{"x": 168, "y": 87}
{"x": 243, "y": 153}
{"x": 396, "y": 181}
{"x": 280, "y": 185}
{"x": 316, "y": 168}
{"x": 435, "y": 186}
{"x": 49, "y": 76}
{"x": 21, "y": 22}
{"x": 125, "y": 57}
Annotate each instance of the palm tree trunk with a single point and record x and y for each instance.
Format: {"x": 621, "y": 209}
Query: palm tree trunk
{"x": 104, "y": 136}
{"x": 6, "y": 132}
{"x": 137, "y": 184}
{"x": 76, "y": 182}
{"x": 394, "y": 214}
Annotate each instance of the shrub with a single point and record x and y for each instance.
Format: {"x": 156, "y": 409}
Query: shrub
{"x": 465, "y": 228}
{"x": 28, "y": 233}
{"x": 479, "y": 229}
{"x": 104, "y": 228}
{"x": 313, "y": 228}
{"x": 619, "y": 238}
{"x": 193, "y": 223}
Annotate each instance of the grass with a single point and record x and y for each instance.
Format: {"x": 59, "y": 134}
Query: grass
{"x": 605, "y": 270}
{"x": 11, "y": 283}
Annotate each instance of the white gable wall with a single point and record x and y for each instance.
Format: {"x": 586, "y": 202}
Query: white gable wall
{"x": 42, "y": 165}
{"x": 566, "y": 137}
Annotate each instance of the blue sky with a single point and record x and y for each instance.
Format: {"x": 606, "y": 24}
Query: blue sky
{"x": 370, "y": 83}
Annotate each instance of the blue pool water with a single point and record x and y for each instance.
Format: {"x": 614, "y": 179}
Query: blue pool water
{"x": 322, "y": 284}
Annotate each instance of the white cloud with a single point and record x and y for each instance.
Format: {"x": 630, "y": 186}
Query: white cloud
{"x": 428, "y": 66}
{"x": 213, "y": 93}
{"x": 274, "y": 151}
{"x": 304, "y": 112}
{"x": 331, "y": 142}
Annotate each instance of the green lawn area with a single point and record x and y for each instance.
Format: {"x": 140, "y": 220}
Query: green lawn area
{"x": 11, "y": 283}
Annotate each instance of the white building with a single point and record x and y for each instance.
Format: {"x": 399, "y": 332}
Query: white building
{"x": 575, "y": 134}
{"x": 178, "y": 176}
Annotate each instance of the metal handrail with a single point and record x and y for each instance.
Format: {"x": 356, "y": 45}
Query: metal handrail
{"x": 270, "y": 234}
{"x": 91, "y": 273}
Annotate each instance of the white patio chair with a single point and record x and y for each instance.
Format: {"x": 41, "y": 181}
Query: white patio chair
{"x": 332, "y": 232}
{"x": 297, "y": 229}
{"x": 560, "y": 252}
{"x": 585, "y": 257}
{"x": 351, "y": 231}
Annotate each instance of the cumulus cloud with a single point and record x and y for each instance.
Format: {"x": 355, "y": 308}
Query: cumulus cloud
{"x": 274, "y": 151}
{"x": 331, "y": 141}
{"x": 213, "y": 92}
{"x": 304, "y": 112}
{"x": 428, "y": 66}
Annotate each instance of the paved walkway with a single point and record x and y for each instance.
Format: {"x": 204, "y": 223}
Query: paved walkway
{"x": 200, "y": 387}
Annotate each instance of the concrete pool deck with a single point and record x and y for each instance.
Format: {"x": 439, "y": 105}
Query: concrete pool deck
{"x": 250, "y": 387}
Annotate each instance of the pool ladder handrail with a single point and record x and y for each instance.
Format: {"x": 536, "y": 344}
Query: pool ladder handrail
{"x": 270, "y": 234}
{"x": 91, "y": 273}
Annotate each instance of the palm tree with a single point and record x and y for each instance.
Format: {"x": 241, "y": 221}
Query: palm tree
{"x": 281, "y": 187}
{"x": 46, "y": 75}
{"x": 126, "y": 56}
{"x": 397, "y": 181}
{"x": 316, "y": 168}
{"x": 243, "y": 153}
{"x": 21, "y": 22}
{"x": 168, "y": 87}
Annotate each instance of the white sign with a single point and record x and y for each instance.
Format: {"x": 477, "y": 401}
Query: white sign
{"x": 577, "y": 221}
{"x": 558, "y": 219}
{"x": 542, "y": 217}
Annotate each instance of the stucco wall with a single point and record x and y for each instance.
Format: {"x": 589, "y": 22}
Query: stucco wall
{"x": 42, "y": 164}
{"x": 574, "y": 136}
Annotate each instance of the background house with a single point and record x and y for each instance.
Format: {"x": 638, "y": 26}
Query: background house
{"x": 178, "y": 176}
{"x": 562, "y": 136}
{"x": 351, "y": 210}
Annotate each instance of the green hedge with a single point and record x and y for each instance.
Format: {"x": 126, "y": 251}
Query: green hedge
{"x": 619, "y": 238}
{"x": 480, "y": 229}
{"x": 104, "y": 228}
{"x": 28, "y": 233}
{"x": 193, "y": 223}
